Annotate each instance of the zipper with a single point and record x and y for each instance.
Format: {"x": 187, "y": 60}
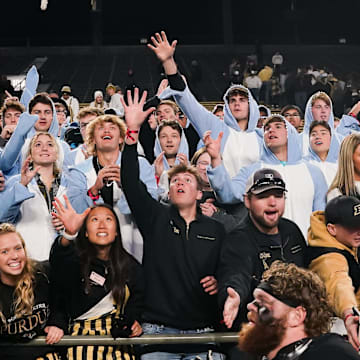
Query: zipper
{"x": 187, "y": 231}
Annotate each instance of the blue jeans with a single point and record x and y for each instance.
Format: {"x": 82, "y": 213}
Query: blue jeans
{"x": 151, "y": 329}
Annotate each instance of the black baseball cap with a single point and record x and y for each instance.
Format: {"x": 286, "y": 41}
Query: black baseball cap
{"x": 343, "y": 210}
{"x": 263, "y": 180}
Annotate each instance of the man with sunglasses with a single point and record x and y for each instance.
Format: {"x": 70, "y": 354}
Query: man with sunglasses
{"x": 250, "y": 249}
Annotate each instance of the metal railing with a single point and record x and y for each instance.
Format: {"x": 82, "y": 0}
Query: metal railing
{"x": 144, "y": 339}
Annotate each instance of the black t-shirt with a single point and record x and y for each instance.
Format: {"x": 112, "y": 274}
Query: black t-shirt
{"x": 26, "y": 327}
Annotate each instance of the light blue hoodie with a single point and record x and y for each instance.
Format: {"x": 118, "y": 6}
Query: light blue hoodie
{"x": 183, "y": 148}
{"x": 305, "y": 183}
{"x": 336, "y": 137}
{"x": 239, "y": 148}
{"x": 10, "y": 159}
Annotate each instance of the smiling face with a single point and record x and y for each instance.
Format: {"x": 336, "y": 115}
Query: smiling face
{"x": 275, "y": 135}
{"x": 169, "y": 141}
{"x": 101, "y": 226}
{"x": 321, "y": 110}
{"x": 165, "y": 112}
{"x": 239, "y": 106}
{"x": 356, "y": 160}
{"x": 12, "y": 258}
{"x": 107, "y": 136}
{"x": 350, "y": 237}
{"x": 184, "y": 190}
{"x": 45, "y": 114}
{"x": 266, "y": 209}
{"x": 320, "y": 140}
{"x": 44, "y": 151}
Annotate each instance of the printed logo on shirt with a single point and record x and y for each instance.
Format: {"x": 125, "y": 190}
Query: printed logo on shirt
{"x": 206, "y": 237}
{"x": 263, "y": 256}
{"x": 356, "y": 210}
{"x": 175, "y": 229}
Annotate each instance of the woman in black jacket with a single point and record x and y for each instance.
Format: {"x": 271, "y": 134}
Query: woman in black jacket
{"x": 97, "y": 281}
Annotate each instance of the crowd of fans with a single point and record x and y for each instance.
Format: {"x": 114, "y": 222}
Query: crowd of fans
{"x": 157, "y": 216}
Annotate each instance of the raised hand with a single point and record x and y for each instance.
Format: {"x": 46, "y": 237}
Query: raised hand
{"x": 164, "y": 52}
{"x": 213, "y": 147}
{"x": 26, "y": 173}
{"x": 161, "y": 46}
{"x": 231, "y": 307}
{"x": 159, "y": 164}
{"x": 163, "y": 85}
{"x": 69, "y": 217}
{"x": 135, "y": 114}
{"x": 182, "y": 158}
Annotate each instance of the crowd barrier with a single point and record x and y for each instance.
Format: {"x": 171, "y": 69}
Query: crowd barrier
{"x": 67, "y": 340}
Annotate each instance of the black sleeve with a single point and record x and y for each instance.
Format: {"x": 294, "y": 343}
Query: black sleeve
{"x": 147, "y": 140}
{"x": 143, "y": 207}
{"x": 176, "y": 82}
{"x": 236, "y": 268}
{"x": 152, "y": 102}
{"x": 135, "y": 304}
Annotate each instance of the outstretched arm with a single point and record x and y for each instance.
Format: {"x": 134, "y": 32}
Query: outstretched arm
{"x": 164, "y": 52}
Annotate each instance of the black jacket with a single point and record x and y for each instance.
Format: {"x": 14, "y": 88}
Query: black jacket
{"x": 176, "y": 256}
{"x": 69, "y": 286}
{"x": 247, "y": 253}
{"x": 327, "y": 346}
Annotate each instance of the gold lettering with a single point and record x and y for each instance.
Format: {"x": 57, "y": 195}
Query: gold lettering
{"x": 356, "y": 210}
{"x": 22, "y": 326}
{"x": 31, "y": 324}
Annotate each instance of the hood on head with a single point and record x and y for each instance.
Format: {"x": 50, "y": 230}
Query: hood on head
{"x": 293, "y": 146}
{"x": 54, "y": 126}
{"x": 183, "y": 147}
{"x": 254, "y": 113}
{"x": 308, "y": 117}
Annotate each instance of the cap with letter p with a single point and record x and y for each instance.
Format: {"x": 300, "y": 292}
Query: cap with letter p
{"x": 343, "y": 210}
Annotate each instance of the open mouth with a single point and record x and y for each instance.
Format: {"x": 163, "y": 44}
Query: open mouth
{"x": 102, "y": 234}
{"x": 107, "y": 137}
{"x": 181, "y": 191}
{"x": 318, "y": 143}
{"x": 14, "y": 265}
{"x": 271, "y": 215}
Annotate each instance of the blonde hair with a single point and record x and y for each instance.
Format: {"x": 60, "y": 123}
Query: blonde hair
{"x": 57, "y": 168}
{"x": 90, "y": 131}
{"x": 89, "y": 110}
{"x": 344, "y": 178}
{"x": 23, "y": 299}
{"x": 171, "y": 104}
{"x": 320, "y": 95}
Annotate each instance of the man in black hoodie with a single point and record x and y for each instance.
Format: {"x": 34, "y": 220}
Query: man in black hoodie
{"x": 181, "y": 249}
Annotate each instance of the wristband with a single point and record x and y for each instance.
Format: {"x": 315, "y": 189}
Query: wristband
{"x": 347, "y": 316}
{"x": 67, "y": 236}
{"x": 353, "y": 115}
{"x": 92, "y": 196}
{"x": 129, "y": 132}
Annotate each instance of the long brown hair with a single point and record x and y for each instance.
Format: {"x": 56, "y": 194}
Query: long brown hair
{"x": 23, "y": 300}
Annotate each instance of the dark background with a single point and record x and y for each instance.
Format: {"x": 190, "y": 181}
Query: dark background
{"x": 72, "y": 22}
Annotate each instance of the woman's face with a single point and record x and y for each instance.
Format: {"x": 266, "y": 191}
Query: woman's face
{"x": 44, "y": 150}
{"x": 356, "y": 160}
{"x": 12, "y": 258}
{"x": 101, "y": 226}
{"x": 202, "y": 163}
